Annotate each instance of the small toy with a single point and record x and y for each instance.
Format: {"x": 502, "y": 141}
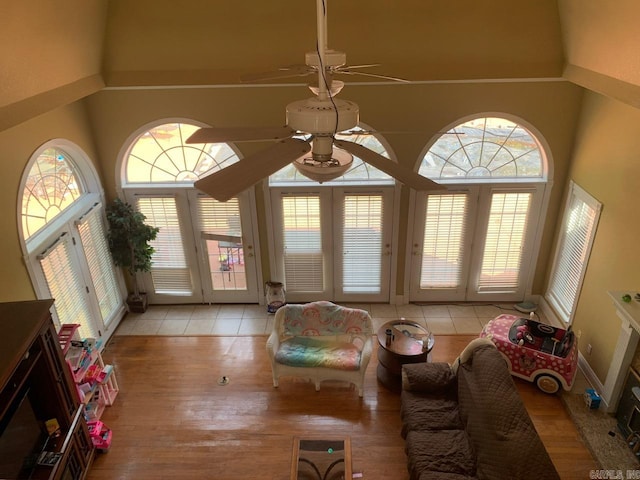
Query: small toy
{"x": 591, "y": 398}
{"x": 100, "y": 435}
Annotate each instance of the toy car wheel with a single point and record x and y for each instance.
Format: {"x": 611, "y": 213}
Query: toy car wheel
{"x": 547, "y": 384}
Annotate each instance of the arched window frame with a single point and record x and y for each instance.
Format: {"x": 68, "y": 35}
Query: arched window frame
{"x": 541, "y": 184}
{"x": 65, "y": 228}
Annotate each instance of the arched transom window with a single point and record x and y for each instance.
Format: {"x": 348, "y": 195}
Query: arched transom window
{"x": 485, "y": 149}
{"x": 51, "y": 186}
{"x": 159, "y": 155}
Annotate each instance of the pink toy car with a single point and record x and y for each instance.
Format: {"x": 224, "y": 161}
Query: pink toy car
{"x": 535, "y": 351}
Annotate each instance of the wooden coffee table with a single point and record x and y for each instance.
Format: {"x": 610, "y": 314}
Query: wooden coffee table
{"x": 324, "y": 458}
{"x": 411, "y": 343}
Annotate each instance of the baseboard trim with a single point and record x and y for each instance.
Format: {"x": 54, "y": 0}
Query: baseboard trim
{"x": 594, "y": 381}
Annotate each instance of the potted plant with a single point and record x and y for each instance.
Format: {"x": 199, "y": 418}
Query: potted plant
{"x": 129, "y": 238}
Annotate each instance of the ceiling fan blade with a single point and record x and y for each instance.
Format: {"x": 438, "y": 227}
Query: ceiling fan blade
{"x": 351, "y": 67}
{"x": 284, "y": 72}
{"x": 404, "y": 175}
{"x": 240, "y": 134}
{"x": 231, "y": 181}
{"x": 373, "y": 75}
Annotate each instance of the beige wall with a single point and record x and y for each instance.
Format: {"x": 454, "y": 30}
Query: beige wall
{"x": 17, "y": 145}
{"x": 420, "y": 111}
{"x": 45, "y": 45}
{"x": 606, "y": 164}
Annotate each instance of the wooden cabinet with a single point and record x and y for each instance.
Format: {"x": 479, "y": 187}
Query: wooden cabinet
{"x": 35, "y": 383}
{"x": 628, "y": 413}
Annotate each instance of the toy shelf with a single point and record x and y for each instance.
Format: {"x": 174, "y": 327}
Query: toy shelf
{"x": 96, "y": 383}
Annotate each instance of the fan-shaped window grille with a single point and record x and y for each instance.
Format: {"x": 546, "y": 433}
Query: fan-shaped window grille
{"x": 485, "y": 149}
{"x": 160, "y": 155}
{"x": 360, "y": 172}
{"x": 51, "y": 186}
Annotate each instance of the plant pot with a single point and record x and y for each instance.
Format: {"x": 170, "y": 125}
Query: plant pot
{"x": 137, "y": 305}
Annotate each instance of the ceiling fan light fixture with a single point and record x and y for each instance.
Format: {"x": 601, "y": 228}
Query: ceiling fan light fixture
{"x": 336, "y": 88}
{"x": 321, "y": 170}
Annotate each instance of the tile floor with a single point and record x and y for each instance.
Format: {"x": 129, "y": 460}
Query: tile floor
{"x": 229, "y": 320}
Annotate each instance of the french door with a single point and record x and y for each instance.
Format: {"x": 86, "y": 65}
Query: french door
{"x": 333, "y": 243}
{"x": 204, "y": 251}
{"x": 227, "y": 262}
{"x": 475, "y": 243}
{"x": 76, "y": 270}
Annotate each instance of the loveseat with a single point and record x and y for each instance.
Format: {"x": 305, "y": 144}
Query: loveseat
{"x": 467, "y": 421}
{"x": 321, "y": 341}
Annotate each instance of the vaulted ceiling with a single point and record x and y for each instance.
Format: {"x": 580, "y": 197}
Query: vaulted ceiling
{"x": 54, "y": 53}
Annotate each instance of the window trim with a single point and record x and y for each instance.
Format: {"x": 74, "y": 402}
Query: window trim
{"x": 574, "y": 192}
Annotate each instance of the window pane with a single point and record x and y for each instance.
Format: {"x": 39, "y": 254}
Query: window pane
{"x": 66, "y": 286}
{"x": 504, "y": 242}
{"x": 362, "y": 244}
{"x": 484, "y": 148}
{"x": 444, "y": 232}
{"x": 161, "y": 156}
{"x": 51, "y": 187}
{"x": 169, "y": 270}
{"x": 574, "y": 246}
{"x": 94, "y": 242}
{"x": 302, "y": 242}
{"x": 220, "y": 224}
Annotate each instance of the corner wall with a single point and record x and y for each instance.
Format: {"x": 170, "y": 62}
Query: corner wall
{"x": 606, "y": 164}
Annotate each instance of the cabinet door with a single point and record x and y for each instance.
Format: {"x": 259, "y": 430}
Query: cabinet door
{"x": 59, "y": 370}
{"x": 74, "y": 467}
{"x": 79, "y": 451}
{"x": 627, "y": 402}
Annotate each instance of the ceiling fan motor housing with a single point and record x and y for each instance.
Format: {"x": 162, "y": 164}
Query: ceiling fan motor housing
{"x": 317, "y": 116}
{"x": 332, "y": 58}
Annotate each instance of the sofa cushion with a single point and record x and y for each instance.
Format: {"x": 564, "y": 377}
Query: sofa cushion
{"x": 314, "y": 352}
{"x": 427, "y": 377}
{"x": 428, "y": 412}
{"x": 446, "y": 451}
{"x": 496, "y": 421}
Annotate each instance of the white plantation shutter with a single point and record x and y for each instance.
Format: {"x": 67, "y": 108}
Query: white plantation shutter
{"x": 220, "y": 218}
{"x": 444, "y": 235}
{"x": 169, "y": 271}
{"x": 362, "y": 243}
{"x": 504, "y": 242}
{"x": 96, "y": 250}
{"x": 66, "y": 286}
{"x": 579, "y": 224}
{"x": 302, "y": 244}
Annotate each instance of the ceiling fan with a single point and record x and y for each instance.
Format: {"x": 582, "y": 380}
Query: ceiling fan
{"x": 321, "y": 157}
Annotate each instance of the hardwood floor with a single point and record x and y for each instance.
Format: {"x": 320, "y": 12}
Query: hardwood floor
{"x": 172, "y": 420}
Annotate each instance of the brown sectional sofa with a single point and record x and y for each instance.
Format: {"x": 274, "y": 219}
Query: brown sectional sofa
{"x": 467, "y": 421}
